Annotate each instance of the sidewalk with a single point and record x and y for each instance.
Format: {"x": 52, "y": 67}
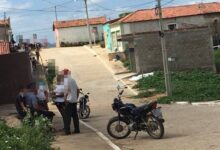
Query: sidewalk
{"x": 86, "y": 140}
{"x": 115, "y": 67}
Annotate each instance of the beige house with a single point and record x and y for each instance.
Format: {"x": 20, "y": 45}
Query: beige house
{"x": 75, "y": 31}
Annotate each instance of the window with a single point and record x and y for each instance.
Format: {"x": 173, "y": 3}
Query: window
{"x": 94, "y": 30}
{"x": 172, "y": 26}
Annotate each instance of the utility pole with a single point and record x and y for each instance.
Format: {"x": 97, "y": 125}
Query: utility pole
{"x": 88, "y": 26}
{"x": 56, "y": 12}
{"x": 164, "y": 51}
{"x": 5, "y": 37}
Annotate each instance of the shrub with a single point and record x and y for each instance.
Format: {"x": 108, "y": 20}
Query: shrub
{"x": 217, "y": 56}
{"x": 31, "y": 136}
{"x": 126, "y": 64}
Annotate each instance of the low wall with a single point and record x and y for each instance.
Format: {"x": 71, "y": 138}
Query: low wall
{"x": 189, "y": 48}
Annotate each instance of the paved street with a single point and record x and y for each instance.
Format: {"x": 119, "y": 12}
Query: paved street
{"x": 186, "y": 127}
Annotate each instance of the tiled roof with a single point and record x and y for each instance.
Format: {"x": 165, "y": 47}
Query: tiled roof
{"x": 4, "y": 22}
{"x": 112, "y": 21}
{"x": 173, "y": 12}
{"x": 78, "y": 22}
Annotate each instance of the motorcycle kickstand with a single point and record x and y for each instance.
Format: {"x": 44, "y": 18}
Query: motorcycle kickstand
{"x": 136, "y": 135}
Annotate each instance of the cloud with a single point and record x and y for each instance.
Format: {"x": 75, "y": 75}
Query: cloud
{"x": 93, "y": 2}
{"x": 24, "y": 5}
{"x": 4, "y": 3}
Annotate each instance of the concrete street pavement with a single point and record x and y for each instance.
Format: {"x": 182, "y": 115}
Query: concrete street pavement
{"x": 186, "y": 127}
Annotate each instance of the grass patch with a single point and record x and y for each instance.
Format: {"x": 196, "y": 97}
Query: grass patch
{"x": 217, "y": 56}
{"x": 126, "y": 64}
{"x": 192, "y": 86}
{"x": 34, "y": 134}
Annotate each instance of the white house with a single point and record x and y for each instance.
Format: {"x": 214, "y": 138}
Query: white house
{"x": 176, "y": 17}
{"x": 75, "y": 31}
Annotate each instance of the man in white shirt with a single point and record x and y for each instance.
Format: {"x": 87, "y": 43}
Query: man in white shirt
{"x": 71, "y": 95}
{"x": 59, "y": 96}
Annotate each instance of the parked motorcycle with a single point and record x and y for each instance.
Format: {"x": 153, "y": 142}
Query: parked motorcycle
{"x": 84, "y": 109}
{"x": 147, "y": 118}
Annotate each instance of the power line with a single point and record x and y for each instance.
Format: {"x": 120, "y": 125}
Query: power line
{"x": 35, "y": 10}
{"x": 128, "y": 7}
{"x": 36, "y": 30}
{"x": 167, "y": 3}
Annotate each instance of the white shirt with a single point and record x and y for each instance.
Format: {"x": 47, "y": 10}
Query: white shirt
{"x": 40, "y": 93}
{"x": 59, "y": 90}
{"x": 71, "y": 89}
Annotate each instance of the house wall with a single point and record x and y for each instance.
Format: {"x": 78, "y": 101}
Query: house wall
{"x": 107, "y": 37}
{"x": 192, "y": 49}
{"x": 15, "y": 72}
{"x": 182, "y": 22}
{"x": 78, "y": 34}
{"x": 153, "y": 25}
{"x": 116, "y": 30}
{"x": 2, "y": 33}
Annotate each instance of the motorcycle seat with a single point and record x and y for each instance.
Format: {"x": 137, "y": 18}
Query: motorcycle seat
{"x": 140, "y": 109}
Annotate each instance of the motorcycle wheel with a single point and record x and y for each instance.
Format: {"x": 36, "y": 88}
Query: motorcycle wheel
{"x": 118, "y": 128}
{"x": 84, "y": 113}
{"x": 155, "y": 128}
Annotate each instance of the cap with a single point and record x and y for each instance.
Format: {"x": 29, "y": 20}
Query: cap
{"x": 65, "y": 71}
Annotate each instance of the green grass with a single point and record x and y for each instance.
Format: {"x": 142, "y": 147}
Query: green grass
{"x": 126, "y": 64}
{"x": 217, "y": 56}
{"x": 192, "y": 86}
{"x": 31, "y": 136}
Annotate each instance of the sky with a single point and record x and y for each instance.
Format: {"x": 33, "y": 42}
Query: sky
{"x": 37, "y": 16}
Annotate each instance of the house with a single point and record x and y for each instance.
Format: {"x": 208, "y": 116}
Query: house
{"x": 75, "y": 31}
{"x": 189, "y": 48}
{"x": 108, "y": 34}
{"x": 5, "y": 29}
{"x": 178, "y": 17}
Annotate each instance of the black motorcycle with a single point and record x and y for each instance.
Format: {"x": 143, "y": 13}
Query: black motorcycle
{"x": 147, "y": 118}
{"x": 84, "y": 109}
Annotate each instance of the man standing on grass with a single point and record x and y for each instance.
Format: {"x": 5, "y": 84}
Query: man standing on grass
{"x": 70, "y": 99}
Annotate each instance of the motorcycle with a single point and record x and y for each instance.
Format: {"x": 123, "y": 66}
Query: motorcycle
{"x": 84, "y": 109}
{"x": 147, "y": 118}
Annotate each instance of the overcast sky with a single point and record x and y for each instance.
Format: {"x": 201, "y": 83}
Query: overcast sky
{"x": 37, "y": 16}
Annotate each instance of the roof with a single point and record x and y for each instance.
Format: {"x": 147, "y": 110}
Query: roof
{"x": 172, "y": 12}
{"x": 4, "y": 22}
{"x": 78, "y": 22}
{"x": 125, "y": 37}
{"x": 112, "y": 21}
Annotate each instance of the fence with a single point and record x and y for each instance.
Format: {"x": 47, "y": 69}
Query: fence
{"x": 186, "y": 49}
{"x": 4, "y": 48}
{"x": 15, "y": 72}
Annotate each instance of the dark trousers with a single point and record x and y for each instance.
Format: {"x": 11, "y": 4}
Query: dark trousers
{"x": 38, "y": 55}
{"x": 47, "y": 114}
{"x": 61, "y": 108}
{"x": 71, "y": 112}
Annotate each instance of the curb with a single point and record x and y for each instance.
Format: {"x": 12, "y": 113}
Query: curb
{"x": 182, "y": 103}
{"x": 211, "y": 103}
{"x": 110, "y": 69}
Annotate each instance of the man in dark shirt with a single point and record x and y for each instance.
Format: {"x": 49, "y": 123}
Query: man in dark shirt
{"x": 32, "y": 103}
{"x": 20, "y": 104}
